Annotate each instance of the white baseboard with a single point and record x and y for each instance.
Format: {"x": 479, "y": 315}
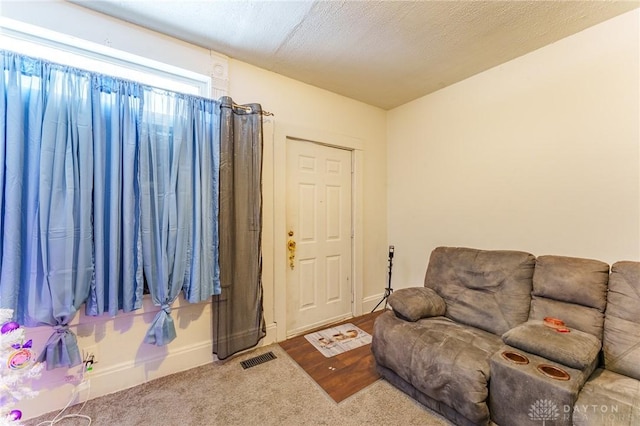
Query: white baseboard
{"x": 368, "y": 303}
{"x": 271, "y": 337}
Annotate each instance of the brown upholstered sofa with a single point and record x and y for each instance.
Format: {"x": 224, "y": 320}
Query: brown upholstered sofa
{"x": 611, "y": 396}
{"x": 473, "y": 343}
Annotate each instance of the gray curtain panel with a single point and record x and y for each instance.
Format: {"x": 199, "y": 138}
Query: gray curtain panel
{"x": 238, "y": 320}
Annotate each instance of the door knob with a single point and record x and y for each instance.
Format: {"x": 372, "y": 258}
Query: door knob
{"x": 291, "y": 245}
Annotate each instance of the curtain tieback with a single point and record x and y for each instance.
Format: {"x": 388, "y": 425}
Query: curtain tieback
{"x": 61, "y": 328}
{"x": 162, "y": 330}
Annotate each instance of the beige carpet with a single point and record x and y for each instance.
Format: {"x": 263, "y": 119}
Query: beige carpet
{"x": 277, "y": 392}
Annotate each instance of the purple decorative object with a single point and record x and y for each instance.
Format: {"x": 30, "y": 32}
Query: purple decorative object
{"x": 15, "y": 415}
{"x": 28, "y": 345}
{"x": 10, "y": 326}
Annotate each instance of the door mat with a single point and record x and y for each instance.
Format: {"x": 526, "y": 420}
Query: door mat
{"x": 338, "y": 339}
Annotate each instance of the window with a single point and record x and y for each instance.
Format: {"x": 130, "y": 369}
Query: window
{"x": 60, "y": 48}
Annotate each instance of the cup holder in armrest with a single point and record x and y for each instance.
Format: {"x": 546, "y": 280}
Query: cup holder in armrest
{"x": 515, "y": 357}
{"x": 553, "y": 372}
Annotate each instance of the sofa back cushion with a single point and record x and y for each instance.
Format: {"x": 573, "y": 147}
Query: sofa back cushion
{"x": 571, "y": 289}
{"x": 490, "y": 290}
{"x": 622, "y": 320}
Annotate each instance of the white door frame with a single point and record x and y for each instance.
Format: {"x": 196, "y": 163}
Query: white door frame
{"x": 283, "y": 133}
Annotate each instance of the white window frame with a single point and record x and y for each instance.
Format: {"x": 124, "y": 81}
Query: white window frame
{"x": 56, "y": 47}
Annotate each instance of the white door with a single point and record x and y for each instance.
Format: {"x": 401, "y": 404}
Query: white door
{"x": 319, "y": 288}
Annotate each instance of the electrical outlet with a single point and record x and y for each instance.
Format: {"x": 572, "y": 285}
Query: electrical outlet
{"x": 90, "y": 358}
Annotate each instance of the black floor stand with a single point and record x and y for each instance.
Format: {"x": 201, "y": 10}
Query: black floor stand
{"x": 388, "y": 290}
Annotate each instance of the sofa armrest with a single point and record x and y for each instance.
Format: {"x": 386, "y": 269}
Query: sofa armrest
{"x": 414, "y": 303}
{"x": 574, "y": 348}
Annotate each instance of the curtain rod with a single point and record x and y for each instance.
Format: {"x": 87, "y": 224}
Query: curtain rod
{"x": 249, "y": 109}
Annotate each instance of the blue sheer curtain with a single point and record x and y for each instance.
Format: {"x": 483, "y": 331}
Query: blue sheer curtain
{"x": 178, "y": 154}
{"x": 100, "y": 180}
{"x": 64, "y": 207}
{"x": 47, "y": 262}
{"x": 119, "y": 282}
{"x": 204, "y": 277}
{"x": 22, "y": 102}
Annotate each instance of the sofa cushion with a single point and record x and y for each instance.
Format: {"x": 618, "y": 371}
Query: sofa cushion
{"x": 572, "y": 289}
{"x": 574, "y": 349}
{"x": 490, "y": 290}
{"x": 588, "y": 320}
{"x": 417, "y": 302}
{"x": 572, "y": 279}
{"x": 608, "y": 399}
{"x": 622, "y": 323}
{"x": 445, "y": 360}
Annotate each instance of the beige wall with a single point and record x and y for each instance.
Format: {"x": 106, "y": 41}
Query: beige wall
{"x": 300, "y": 110}
{"x": 303, "y": 111}
{"x": 540, "y": 154}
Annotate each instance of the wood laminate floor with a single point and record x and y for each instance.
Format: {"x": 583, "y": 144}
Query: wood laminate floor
{"x": 342, "y": 375}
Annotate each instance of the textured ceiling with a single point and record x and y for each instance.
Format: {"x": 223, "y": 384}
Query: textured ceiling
{"x": 384, "y": 53}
